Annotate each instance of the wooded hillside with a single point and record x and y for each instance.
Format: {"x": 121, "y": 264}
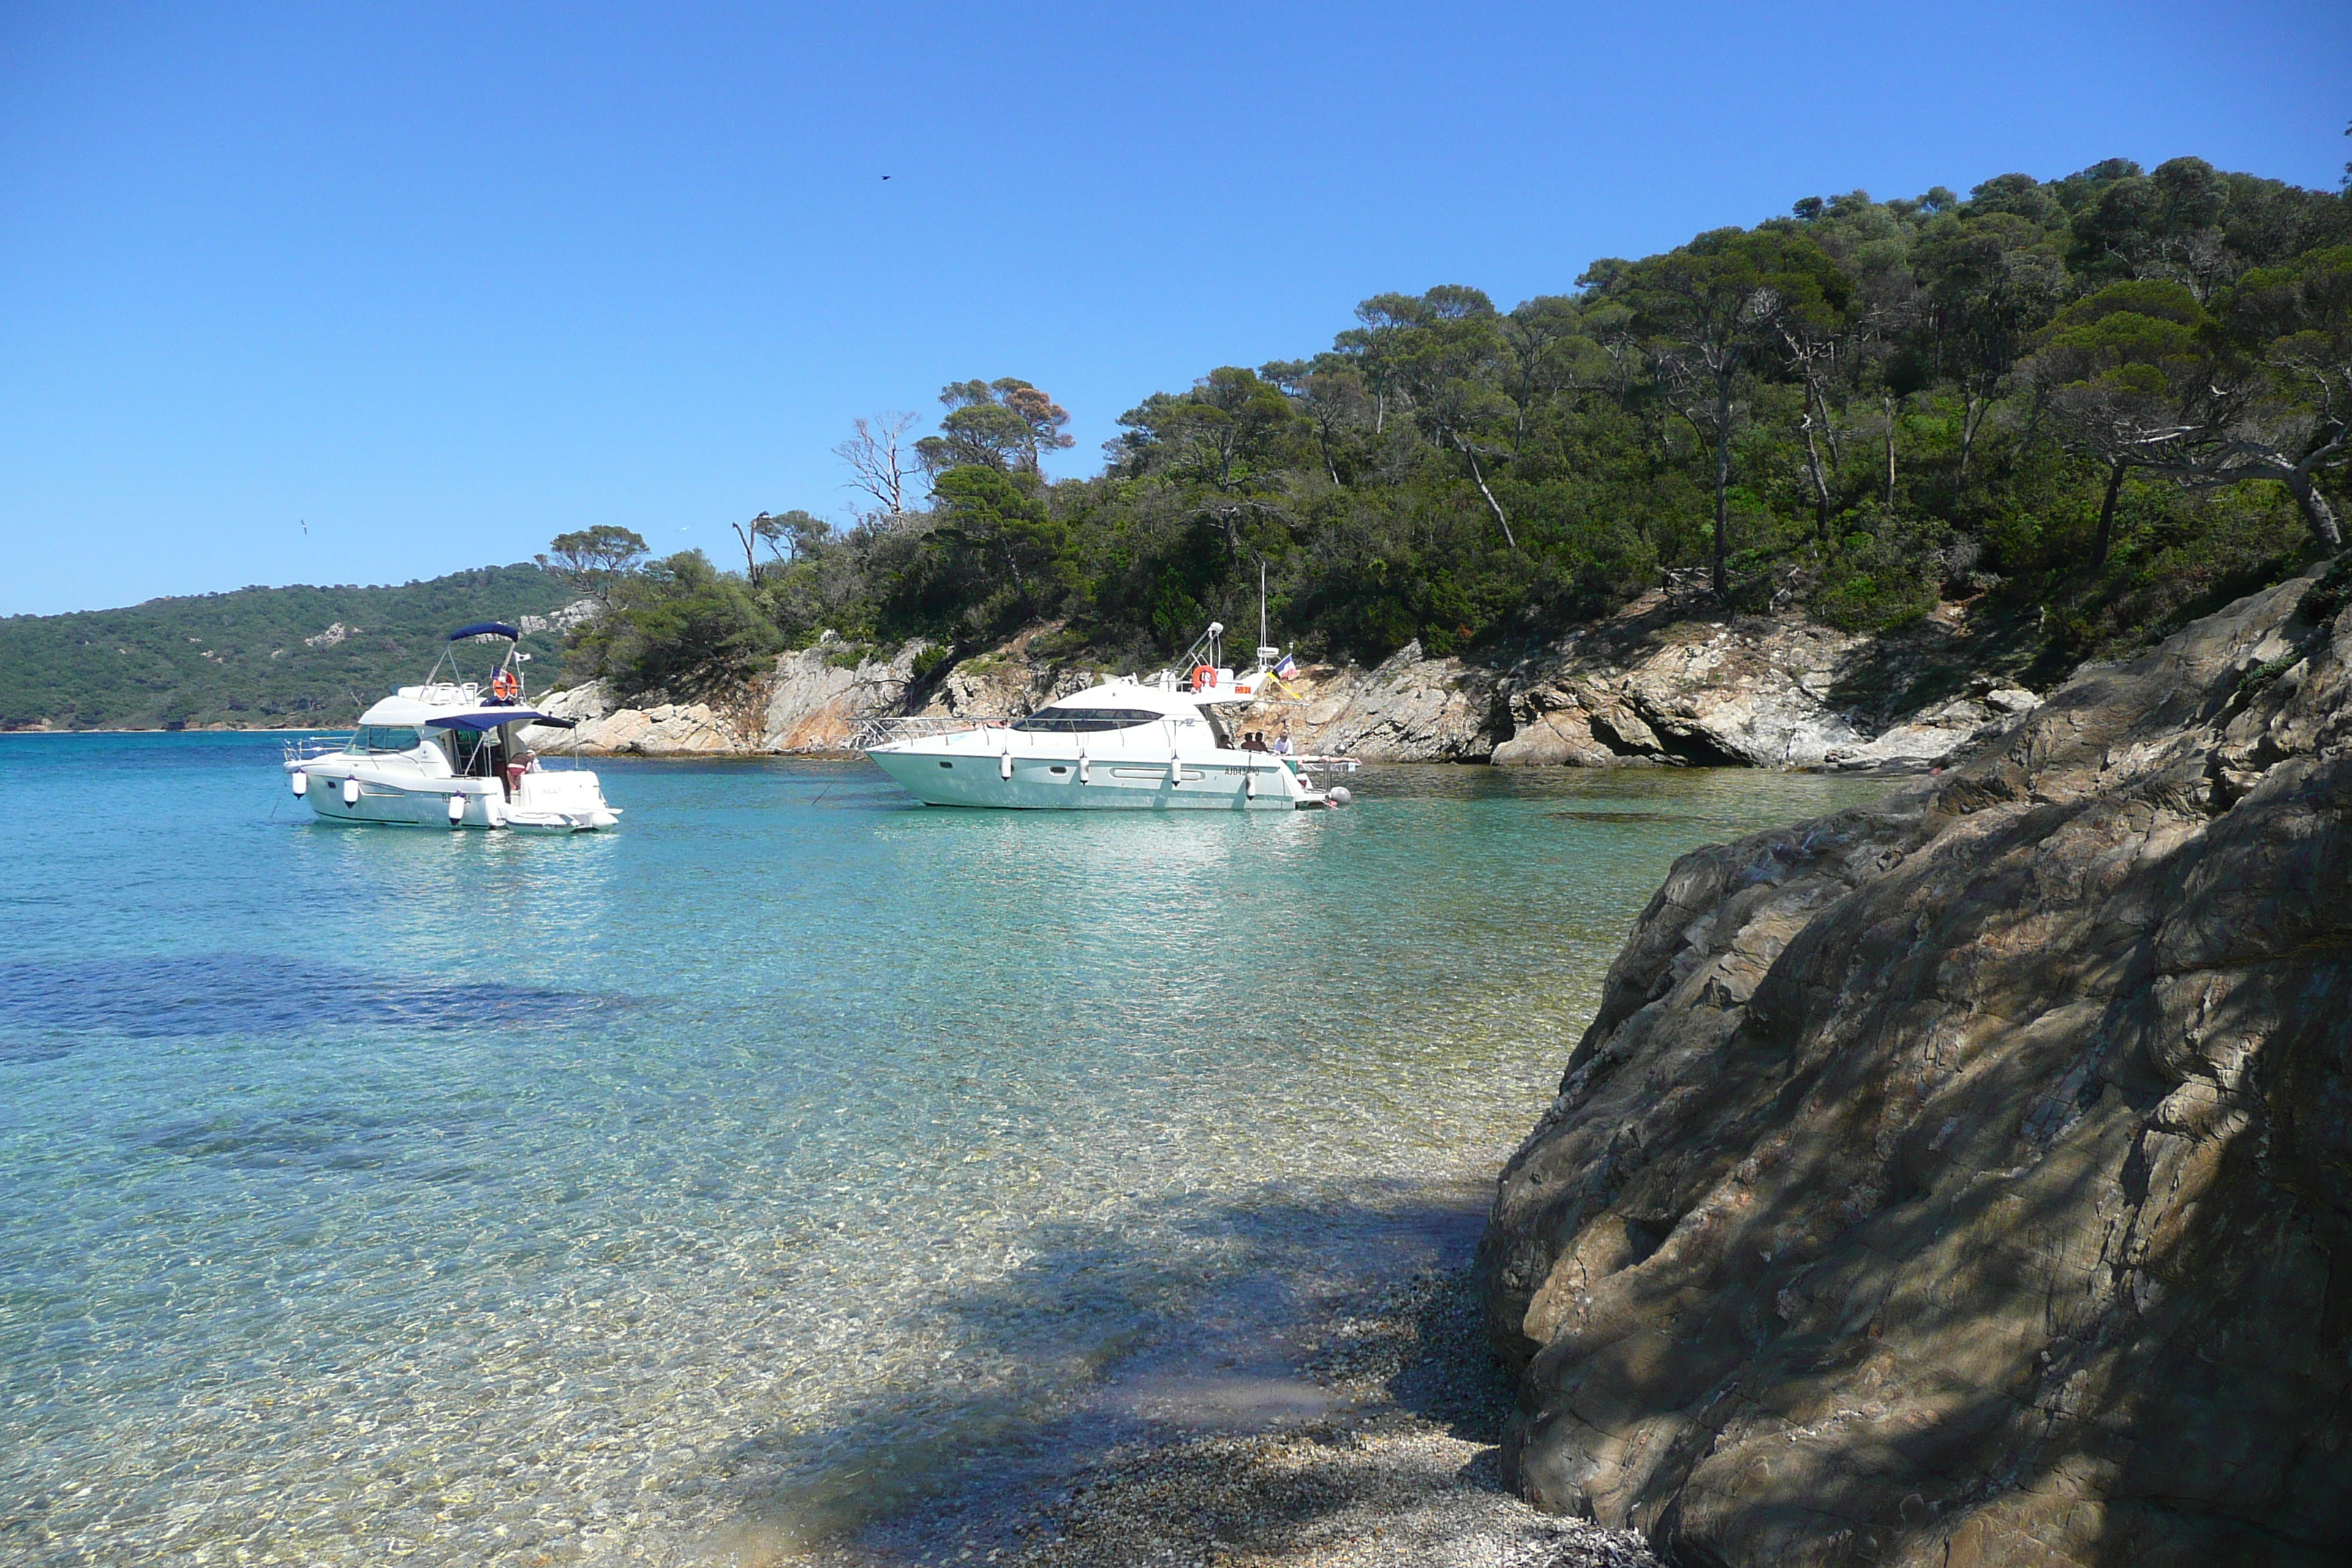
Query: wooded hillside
{"x": 2088, "y": 408}
{"x": 257, "y": 657}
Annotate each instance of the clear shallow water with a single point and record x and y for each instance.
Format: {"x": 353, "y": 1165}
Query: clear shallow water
{"x": 690, "y": 1191}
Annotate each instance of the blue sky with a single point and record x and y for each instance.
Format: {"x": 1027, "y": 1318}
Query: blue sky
{"x": 444, "y": 280}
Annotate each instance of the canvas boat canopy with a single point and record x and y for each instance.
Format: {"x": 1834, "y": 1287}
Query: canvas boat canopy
{"x": 486, "y": 630}
{"x": 490, "y": 718}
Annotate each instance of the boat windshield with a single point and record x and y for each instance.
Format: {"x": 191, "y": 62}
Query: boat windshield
{"x": 1086, "y": 721}
{"x": 383, "y": 737}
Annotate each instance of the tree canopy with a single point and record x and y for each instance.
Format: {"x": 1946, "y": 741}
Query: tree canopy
{"x": 2088, "y": 403}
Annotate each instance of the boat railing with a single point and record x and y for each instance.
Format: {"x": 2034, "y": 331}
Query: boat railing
{"x": 919, "y": 727}
{"x": 309, "y": 748}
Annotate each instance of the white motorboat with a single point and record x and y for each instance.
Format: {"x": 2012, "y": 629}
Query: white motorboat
{"x": 450, "y": 753}
{"x": 1128, "y": 744}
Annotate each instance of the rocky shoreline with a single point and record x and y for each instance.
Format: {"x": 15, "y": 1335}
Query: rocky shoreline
{"x": 1960, "y": 1180}
{"x": 1659, "y": 684}
{"x": 1967, "y": 1179}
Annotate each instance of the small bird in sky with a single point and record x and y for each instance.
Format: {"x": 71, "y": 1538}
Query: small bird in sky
{"x": 306, "y": 526}
{"x": 885, "y": 176}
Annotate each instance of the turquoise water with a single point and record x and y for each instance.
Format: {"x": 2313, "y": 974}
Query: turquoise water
{"x": 684, "y": 1193}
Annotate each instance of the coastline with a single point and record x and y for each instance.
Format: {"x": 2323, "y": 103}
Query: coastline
{"x": 1664, "y": 682}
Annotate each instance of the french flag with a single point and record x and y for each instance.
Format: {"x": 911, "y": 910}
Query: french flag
{"x": 1288, "y": 667}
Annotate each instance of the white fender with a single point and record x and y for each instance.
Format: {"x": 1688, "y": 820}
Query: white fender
{"x": 1004, "y": 764}
{"x": 1249, "y": 783}
{"x": 1082, "y": 766}
{"x": 350, "y": 792}
{"x": 457, "y": 810}
{"x": 301, "y": 783}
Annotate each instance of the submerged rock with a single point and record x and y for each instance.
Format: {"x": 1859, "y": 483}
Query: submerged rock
{"x": 1967, "y": 1180}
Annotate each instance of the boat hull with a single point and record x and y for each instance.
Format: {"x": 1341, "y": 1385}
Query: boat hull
{"x": 1121, "y": 784}
{"x": 566, "y": 802}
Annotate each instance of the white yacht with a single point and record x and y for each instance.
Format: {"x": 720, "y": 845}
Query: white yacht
{"x": 1127, "y": 744}
{"x": 450, "y": 753}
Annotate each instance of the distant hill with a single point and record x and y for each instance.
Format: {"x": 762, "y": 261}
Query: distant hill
{"x": 261, "y": 658}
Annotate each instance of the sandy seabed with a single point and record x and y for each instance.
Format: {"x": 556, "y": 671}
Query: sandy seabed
{"x": 1400, "y": 1471}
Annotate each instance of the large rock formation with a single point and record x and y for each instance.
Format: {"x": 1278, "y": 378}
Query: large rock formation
{"x": 1967, "y": 1180}
{"x": 1409, "y": 708}
{"x": 1658, "y": 683}
{"x": 1646, "y": 686}
{"x": 816, "y": 700}
{"x": 1652, "y": 685}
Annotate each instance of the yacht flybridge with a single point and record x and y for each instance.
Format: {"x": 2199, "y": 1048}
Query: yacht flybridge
{"x": 1136, "y": 744}
{"x": 450, "y": 753}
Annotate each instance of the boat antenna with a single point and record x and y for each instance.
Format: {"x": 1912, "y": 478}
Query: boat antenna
{"x": 1261, "y": 602}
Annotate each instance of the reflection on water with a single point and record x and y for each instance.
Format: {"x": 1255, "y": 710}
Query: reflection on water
{"x": 718, "y": 1181}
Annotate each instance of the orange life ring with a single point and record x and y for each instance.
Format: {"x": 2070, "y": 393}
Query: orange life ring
{"x": 505, "y": 686}
{"x": 1204, "y": 677}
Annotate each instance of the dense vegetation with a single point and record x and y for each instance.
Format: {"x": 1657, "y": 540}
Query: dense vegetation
{"x": 2087, "y": 407}
{"x": 258, "y": 656}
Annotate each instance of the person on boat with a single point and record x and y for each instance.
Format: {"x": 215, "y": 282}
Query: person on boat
{"x": 522, "y": 763}
{"x": 1254, "y": 741}
{"x": 1282, "y": 744}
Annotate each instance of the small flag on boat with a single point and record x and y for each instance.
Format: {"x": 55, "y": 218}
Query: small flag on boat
{"x": 1288, "y": 667}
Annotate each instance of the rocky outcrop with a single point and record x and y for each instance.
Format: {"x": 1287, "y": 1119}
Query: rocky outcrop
{"x": 1649, "y": 686}
{"x": 816, "y": 700}
{"x": 1934, "y": 734}
{"x": 1409, "y": 708}
{"x": 1967, "y": 1180}
{"x": 660, "y": 730}
{"x": 813, "y": 700}
{"x": 1657, "y": 684}
{"x": 1646, "y": 687}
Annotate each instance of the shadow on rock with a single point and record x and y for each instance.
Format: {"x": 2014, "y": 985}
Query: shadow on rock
{"x": 1963, "y": 1179}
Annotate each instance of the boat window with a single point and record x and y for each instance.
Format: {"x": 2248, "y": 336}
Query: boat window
{"x": 1086, "y": 720}
{"x": 383, "y": 738}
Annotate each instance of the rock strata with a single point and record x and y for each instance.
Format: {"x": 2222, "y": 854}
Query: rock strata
{"x": 1967, "y": 1180}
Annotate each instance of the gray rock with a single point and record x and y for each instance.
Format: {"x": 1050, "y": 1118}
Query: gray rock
{"x": 1412, "y": 709}
{"x": 1649, "y": 686}
{"x": 1967, "y": 1180}
{"x": 815, "y": 702}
